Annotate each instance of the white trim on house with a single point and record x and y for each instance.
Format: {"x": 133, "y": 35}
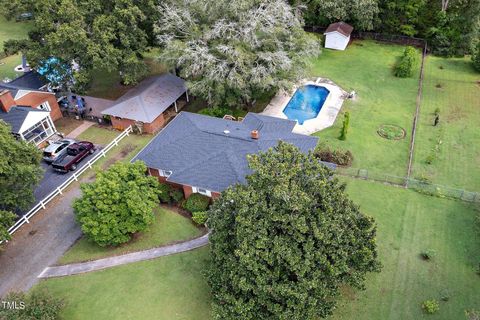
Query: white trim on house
{"x": 23, "y": 92}
{"x": 45, "y": 106}
{"x": 203, "y": 191}
{"x": 38, "y": 131}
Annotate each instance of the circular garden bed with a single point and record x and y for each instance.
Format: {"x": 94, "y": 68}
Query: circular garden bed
{"x": 391, "y": 132}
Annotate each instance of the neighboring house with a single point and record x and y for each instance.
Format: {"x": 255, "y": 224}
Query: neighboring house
{"x": 30, "y": 113}
{"x": 206, "y": 155}
{"x": 337, "y": 35}
{"x": 146, "y": 104}
{"x": 30, "y": 80}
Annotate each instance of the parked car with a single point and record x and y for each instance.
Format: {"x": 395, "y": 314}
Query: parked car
{"x": 54, "y": 150}
{"x": 75, "y": 153}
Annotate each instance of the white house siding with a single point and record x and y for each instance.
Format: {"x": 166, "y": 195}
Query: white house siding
{"x": 336, "y": 40}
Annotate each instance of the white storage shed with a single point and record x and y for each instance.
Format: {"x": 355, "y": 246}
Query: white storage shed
{"x": 337, "y": 35}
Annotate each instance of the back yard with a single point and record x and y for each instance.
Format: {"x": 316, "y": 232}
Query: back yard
{"x": 174, "y": 288}
{"x": 11, "y": 30}
{"x": 449, "y": 153}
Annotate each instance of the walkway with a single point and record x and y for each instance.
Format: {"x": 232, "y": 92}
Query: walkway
{"x": 80, "y": 129}
{"x": 76, "y": 268}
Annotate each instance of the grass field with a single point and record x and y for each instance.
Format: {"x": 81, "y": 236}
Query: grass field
{"x": 366, "y": 67}
{"x": 452, "y": 86}
{"x": 408, "y": 223}
{"x": 172, "y": 287}
{"x": 11, "y": 30}
{"x": 168, "y": 227}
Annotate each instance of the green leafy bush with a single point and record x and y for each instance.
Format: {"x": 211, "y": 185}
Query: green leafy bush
{"x": 428, "y": 254}
{"x": 216, "y": 112}
{"x": 176, "y": 195}
{"x": 197, "y": 202}
{"x": 407, "y": 64}
{"x": 118, "y": 204}
{"x": 476, "y": 57}
{"x": 340, "y": 157}
{"x": 199, "y": 217}
{"x": 165, "y": 193}
{"x": 345, "y": 126}
{"x": 39, "y": 304}
{"x": 430, "y": 306}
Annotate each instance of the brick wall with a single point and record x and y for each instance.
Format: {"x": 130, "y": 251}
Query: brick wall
{"x": 122, "y": 124}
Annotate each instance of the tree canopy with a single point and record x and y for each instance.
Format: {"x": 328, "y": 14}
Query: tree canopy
{"x": 20, "y": 172}
{"x": 118, "y": 204}
{"x": 283, "y": 243}
{"x": 231, "y": 51}
{"x": 107, "y": 35}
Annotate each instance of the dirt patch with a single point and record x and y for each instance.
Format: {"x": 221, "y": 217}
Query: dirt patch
{"x": 119, "y": 156}
{"x": 348, "y": 292}
{"x": 455, "y": 114}
{"x": 478, "y": 83}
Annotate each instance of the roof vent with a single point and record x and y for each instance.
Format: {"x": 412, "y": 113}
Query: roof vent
{"x": 254, "y": 134}
{"x": 226, "y": 131}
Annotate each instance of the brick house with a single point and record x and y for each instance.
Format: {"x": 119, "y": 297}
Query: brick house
{"x": 206, "y": 155}
{"x": 30, "y": 113}
{"x": 146, "y": 104}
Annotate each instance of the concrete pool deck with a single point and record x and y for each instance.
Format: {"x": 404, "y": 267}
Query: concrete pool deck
{"x": 325, "y": 118}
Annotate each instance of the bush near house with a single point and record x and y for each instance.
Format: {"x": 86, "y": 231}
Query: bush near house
{"x": 118, "y": 204}
{"x": 340, "y": 157}
{"x": 196, "y": 202}
{"x": 200, "y": 217}
{"x": 407, "y": 64}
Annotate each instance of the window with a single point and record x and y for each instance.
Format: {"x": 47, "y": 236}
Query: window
{"x": 205, "y": 192}
{"x": 164, "y": 173}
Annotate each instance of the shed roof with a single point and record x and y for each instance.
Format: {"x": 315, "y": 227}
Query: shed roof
{"x": 149, "y": 99}
{"x": 211, "y": 153}
{"x": 341, "y": 27}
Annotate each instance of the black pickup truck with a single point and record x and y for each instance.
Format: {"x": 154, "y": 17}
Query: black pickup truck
{"x": 75, "y": 153}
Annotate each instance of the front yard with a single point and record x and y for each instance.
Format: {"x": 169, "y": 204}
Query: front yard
{"x": 382, "y": 98}
{"x": 174, "y": 288}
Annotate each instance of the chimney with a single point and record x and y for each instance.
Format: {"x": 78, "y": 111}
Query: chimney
{"x": 6, "y": 100}
{"x": 254, "y": 134}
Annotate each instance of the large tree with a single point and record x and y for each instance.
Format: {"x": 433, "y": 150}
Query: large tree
{"x": 96, "y": 34}
{"x": 360, "y": 13}
{"x": 20, "y": 172}
{"x": 118, "y": 204}
{"x": 231, "y": 51}
{"x": 283, "y": 243}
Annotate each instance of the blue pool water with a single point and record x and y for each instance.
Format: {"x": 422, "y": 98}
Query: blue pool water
{"x": 306, "y": 103}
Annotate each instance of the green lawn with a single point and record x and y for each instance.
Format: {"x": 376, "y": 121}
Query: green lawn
{"x": 171, "y": 287}
{"x": 366, "y": 67}
{"x": 107, "y": 85}
{"x": 11, "y": 30}
{"x": 168, "y": 227}
{"x": 452, "y": 86}
{"x": 408, "y": 223}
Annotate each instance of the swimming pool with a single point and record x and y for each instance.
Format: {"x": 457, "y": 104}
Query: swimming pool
{"x": 306, "y": 103}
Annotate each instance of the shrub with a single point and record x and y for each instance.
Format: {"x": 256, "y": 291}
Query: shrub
{"x": 216, "y": 112}
{"x": 39, "y": 304}
{"x": 430, "y": 306}
{"x": 445, "y": 295}
{"x": 199, "y": 217}
{"x": 165, "y": 193}
{"x": 177, "y": 195}
{"x": 437, "y": 111}
{"x": 339, "y": 157}
{"x": 197, "y": 202}
{"x": 428, "y": 254}
{"x": 406, "y": 66}
{"x": 345, "y": 126}
{"x": 118, "y": 204}
{"x": 472, "y": 314}
{"x": 476, "y": 57}
{"x": 430, "y": 158}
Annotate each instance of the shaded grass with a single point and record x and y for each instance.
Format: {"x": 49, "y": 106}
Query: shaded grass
{"x": 171, "y": 287}
{"x": 7, "y": 67}
{"x": 451, "y": 86}
{"x": 168, "y": 227}
{"x": 382, "y": 98}
{"x": 409, "y": 223}
{"x": 11, "y": 30}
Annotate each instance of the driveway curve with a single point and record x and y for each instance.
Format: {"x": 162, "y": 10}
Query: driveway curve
{"x": 83, "y": 267}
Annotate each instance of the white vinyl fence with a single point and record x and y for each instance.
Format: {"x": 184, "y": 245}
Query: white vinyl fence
{"x": 41, "y": 205}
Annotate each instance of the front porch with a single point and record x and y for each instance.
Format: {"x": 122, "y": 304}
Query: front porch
{"x": 37, "y": 128}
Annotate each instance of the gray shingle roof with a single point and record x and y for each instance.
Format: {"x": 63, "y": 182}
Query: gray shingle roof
{"x": 210, "y": 153}
{"x": 29, "y": 80}
{"x": 149, "y": 99}
{"x": 16, "y": 116}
